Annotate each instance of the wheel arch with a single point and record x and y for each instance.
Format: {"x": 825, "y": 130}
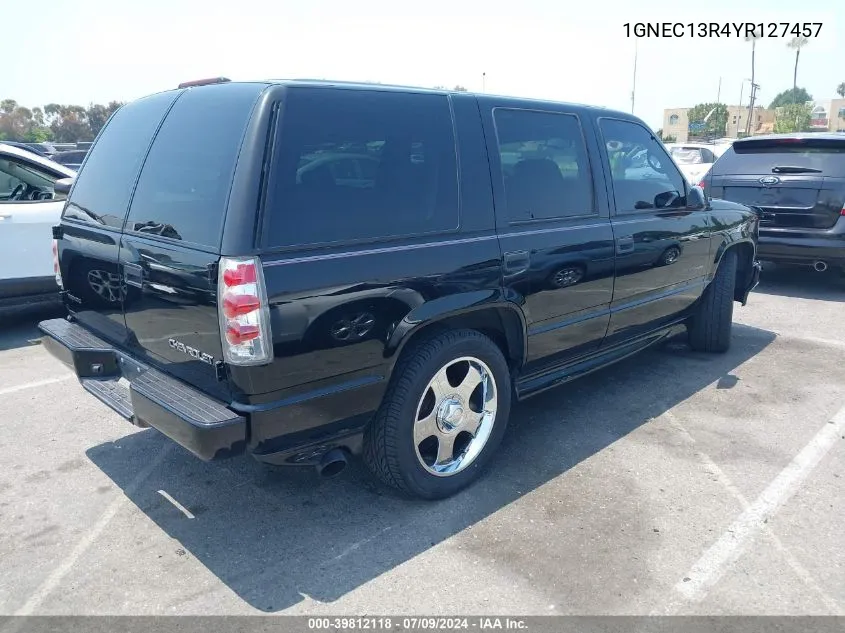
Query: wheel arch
{"x": 500, "y": 320}
{"x": 745, "y": 250}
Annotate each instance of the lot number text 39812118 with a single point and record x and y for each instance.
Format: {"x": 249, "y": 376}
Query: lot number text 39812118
{"x": 722, "y": 29}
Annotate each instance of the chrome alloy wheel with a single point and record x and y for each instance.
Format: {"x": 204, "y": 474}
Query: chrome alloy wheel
{"x": 354, "y": 327}
{"x": 567, "y": 277}
{"x": 105, "y": 284}
{"x": 455, "y": 416}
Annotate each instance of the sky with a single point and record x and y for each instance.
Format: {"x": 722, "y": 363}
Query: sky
{"x": 98, "y": 50}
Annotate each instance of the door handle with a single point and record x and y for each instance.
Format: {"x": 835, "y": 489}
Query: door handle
{"x": 516, "y": 261}
{"x": 133, "y": 275}
{"x": 624, "y": 244}
{"x": 4, "y": 216}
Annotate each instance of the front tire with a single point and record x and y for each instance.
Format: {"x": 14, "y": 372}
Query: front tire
{"x": 443, "y": 416}
{"x": 710, "y": 326}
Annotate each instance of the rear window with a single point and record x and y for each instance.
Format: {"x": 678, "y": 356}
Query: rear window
{"x": 360, "y": 165}
{"x": 103, "y": 187}
{"x": 762, "y": 156}
{"x": 184, "y": 185}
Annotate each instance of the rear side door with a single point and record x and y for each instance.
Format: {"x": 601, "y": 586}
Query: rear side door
{"x": 662, "y": 247}
{"x": 95, "y": 211}
{"x": 171, "y": 239}
{"x": 554, "y": 229}
{"x": 799, "y": 183}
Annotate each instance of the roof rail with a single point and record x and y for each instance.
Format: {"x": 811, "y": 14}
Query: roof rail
{"x": 204, "y": 82}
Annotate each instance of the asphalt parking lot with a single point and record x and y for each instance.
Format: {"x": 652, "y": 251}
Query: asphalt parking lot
{"x": 671, "y": 483}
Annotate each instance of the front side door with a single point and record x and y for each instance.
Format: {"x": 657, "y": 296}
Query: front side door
{"x": 28, "y": 211}
{"x": 554, "y": 229}
{"x": 662, "y": 247}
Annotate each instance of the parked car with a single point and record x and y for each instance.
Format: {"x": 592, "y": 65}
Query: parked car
{"x": 42, "y": 149}
{"x": 29, "y": 208}
{"x": 72, "y": 159}
{"x": 390, "y": 308}
{"x": 695, "y": 159}
{"x": 798, "y": 183}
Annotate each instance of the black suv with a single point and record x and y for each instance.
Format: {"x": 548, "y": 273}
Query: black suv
{"x": 304, "y": 270}
{"x": 798, "y": 182}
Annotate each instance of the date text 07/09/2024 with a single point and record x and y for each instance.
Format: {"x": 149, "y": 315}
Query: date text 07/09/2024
{"x": 722, "y": 29}
{"x": 414, "y": 623}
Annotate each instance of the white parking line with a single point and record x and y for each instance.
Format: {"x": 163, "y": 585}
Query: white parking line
{"x": 176, "y": 504}
{"x": 731, "y": 545}
{"x": 36, "y": 383}
{"x": 794, "y": 564}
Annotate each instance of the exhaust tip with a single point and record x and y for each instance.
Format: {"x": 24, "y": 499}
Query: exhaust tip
{"x": 332, "y": 464}
{"x": 820, "y": 266}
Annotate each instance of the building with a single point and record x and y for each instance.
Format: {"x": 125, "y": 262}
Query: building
{"x": 826, "y": 115}
{"x": 676, "y": 122}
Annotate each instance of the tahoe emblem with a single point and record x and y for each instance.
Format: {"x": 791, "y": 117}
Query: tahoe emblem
{"x": 191, "y": 351}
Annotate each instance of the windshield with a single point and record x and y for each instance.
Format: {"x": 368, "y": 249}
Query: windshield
{"x": 686, "y": 155}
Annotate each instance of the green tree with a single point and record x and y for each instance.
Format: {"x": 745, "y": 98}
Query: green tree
{"x": 69, "y": 123}
{"x": 790, "y": 96}
{"x": 793, "y": 117}
{"x": 713, "y": 115}
{"x": 666, "y": 138}
{"x": 840, "y": 90}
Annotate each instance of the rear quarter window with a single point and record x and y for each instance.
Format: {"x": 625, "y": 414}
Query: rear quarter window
{"x": 762, "y": 156}
{"x": 361, "y": 165}
{"x": 184, "y": 185}
{"x": 103, "y": 187}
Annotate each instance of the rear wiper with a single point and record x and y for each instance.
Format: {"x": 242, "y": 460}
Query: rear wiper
{"x": 788, "y": 169}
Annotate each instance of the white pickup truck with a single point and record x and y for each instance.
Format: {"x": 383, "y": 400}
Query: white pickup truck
{"x": 29, "y": 208}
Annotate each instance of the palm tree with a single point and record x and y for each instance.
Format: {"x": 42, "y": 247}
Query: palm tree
{"x": 797, "y": 43}
{"x": 840, "y": 90}
{"x": 753, "y": 39}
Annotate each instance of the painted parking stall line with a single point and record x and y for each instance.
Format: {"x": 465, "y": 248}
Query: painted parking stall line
{"x": 33, "y": 384}
{"x": 734, "y": 541}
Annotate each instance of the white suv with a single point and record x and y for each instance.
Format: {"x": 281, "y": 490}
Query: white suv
{"x": 29, "y": 208}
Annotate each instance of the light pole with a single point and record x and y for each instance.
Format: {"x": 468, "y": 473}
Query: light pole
{"x": 634, "y": 86}
{"x": 483, "y": 82}
{"x": 753, "y": 39}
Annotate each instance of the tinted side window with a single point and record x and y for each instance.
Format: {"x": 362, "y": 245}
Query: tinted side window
{"x": 544, "y": 165}
{"x": 184, "y": 185}
{"x": 354, "y": 165}
{"x": 643, "y": 175}
{"x": 102, "y": 189}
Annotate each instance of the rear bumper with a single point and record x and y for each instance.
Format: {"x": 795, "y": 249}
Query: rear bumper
{"x": 804, "y": 247}
{"x": 144, "y": 395}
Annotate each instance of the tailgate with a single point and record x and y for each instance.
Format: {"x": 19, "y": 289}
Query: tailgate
{"x": 170, "y": 246}
{"x": 798, "y": 181}
{"x": 795, "y": 201}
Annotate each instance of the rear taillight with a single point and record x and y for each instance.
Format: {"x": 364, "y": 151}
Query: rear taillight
{"x": 57, "y": 271}
{"x": 843, "y": 210}
{"x": 244, "y": 312}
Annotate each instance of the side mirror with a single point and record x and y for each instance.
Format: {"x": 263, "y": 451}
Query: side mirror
{"x": 696, "y": 199}
{"x": 63, "y": 186}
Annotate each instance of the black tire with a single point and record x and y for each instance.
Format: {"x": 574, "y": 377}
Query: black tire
{"x": 710, "y": 326}
{"x": 389, "y": 447}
